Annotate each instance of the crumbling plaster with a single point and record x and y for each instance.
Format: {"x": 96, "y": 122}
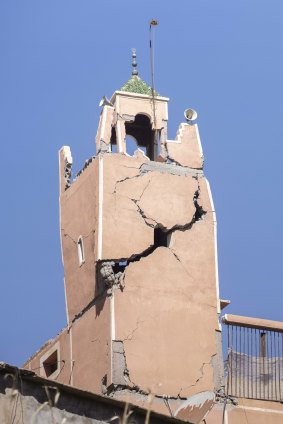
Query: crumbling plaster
{"x": 163, "y": 286}
{"x": 156, "y": 316}
{"x": 139, "y": 195}
{"x": 133, "y": 104}
{"x": 91, "y": 345}
{"x": 78, "y": 217}
{"x": 162, "y": 300}
{"x": 186, "y": 149}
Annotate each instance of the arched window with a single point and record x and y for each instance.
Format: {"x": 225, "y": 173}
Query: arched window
{"x": 141, "y": 130}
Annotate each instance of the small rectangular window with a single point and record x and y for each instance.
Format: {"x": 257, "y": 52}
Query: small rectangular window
{"x": 50, "y": 365}
{"x": 81, "y": 254}
{"x": 49, "y": 362}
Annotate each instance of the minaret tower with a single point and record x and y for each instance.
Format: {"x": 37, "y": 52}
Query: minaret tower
{"x": 138, "y": 236}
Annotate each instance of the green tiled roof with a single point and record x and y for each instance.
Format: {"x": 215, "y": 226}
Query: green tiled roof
{"x": 137, "y": 85}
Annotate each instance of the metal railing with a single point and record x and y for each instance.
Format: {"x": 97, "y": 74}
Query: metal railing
{"x": 255, "y": 359}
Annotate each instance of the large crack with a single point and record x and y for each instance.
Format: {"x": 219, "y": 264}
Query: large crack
{"x": 113, "y": 270}
{"x": 163, "y": 168}
{"x": 199, "y": 215}
{"x": 113, "y": 389}
{"x": 201, "y": 376}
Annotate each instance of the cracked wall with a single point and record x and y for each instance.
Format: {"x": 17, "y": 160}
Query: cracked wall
{"x": 78, "y": 217}
{"x": 166, "y": 313}
{"x": 85, "y": 349}
{"x": 186, "y": 149}
{"x": 141, "y": 286}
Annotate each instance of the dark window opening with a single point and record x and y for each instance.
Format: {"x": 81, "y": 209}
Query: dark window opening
{"x": 160, "y": 238}
{"x": 119, "y": 267}
{"x": 113, "y": 140}
{"x": 141, "y": 130}
{"x": 50, "y": 365}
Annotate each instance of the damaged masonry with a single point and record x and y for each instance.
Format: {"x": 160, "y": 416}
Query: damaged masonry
{"x": 138, "y": 237}
{"x": 138, "y": 246}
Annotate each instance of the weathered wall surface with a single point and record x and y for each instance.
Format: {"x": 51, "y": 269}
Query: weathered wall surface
{"x": 166, "y": 312}
{"x": 125, "y": 104}
{"x": 84, "y": 358}
{"x": 91, "y": 347}
{"x": 78, "y": 217}
{"x": 34, "y": 364}
{"x": 103, "y": 135}
{"x": 186, "y": 150}
{"x": 124, "y": 230}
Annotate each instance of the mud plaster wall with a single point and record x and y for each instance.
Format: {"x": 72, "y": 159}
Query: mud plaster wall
{"x": 166, "y": 314}
{"x": 186, "y": 149}
{"x": 64, "y": 365}
{"x": 134, "y": 105}
{"x": 78, "y": 217}
{"x": 103, "y": 135}
{"x": 122, "y": 224}
{"x": 92, "y": 346}
{"x": 90, "y": 360}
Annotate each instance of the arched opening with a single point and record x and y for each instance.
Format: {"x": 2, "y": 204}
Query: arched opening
{"x": 141, "y": 130}
{"x": 113, "y": 141}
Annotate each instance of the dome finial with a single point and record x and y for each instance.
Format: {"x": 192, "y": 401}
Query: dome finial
{"x": 134, "y": 64}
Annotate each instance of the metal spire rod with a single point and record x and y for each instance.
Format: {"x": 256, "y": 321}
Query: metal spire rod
{"x": 152, "y": 23}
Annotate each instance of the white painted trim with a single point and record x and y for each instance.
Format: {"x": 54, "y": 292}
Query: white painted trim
{"x": 253, "y": 408}
{"x": 142, "y": 96}
{"x": 119, "y": 137}
{"x": 226, "y": 417}
{"x": 199, "y": 142}
{"x": 174, "y": 141}
{"x": 117, "y": 104}
{"x": 112, "y": 309}
{"x": 100, "y": 208}
{"x": 112, "y": 330}
{"x": 104, "y": 114}
{"x": 98, "y": 129}
{"x": 44, "y": 357}
{"x": 179, "y": 134}
{"x": 71, "y": 357}
{"x": 215, "y": 245}
{"x": 66, "y": 301}
{"x": 67, "y": 154}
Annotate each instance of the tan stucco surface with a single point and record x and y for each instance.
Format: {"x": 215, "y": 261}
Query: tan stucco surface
{"x": 149, "y": 322}
{"x": 168, "y": 199}
{"x": 79, "y": 218}
{"x": 91, "y": 347}
{"x": 136, "y": 105}
{"x": 106, "y": 120}
{"x": 186, "y": 149}
{"x": 64, "y": 365}
{"x": 124, "y": 231}
{"x": 156, "y": 316}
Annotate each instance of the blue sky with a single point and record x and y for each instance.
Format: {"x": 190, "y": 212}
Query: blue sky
{"x": 58, "y": 58}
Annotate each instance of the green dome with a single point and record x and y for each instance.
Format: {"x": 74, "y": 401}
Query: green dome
{"x": 136, "y": 85}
